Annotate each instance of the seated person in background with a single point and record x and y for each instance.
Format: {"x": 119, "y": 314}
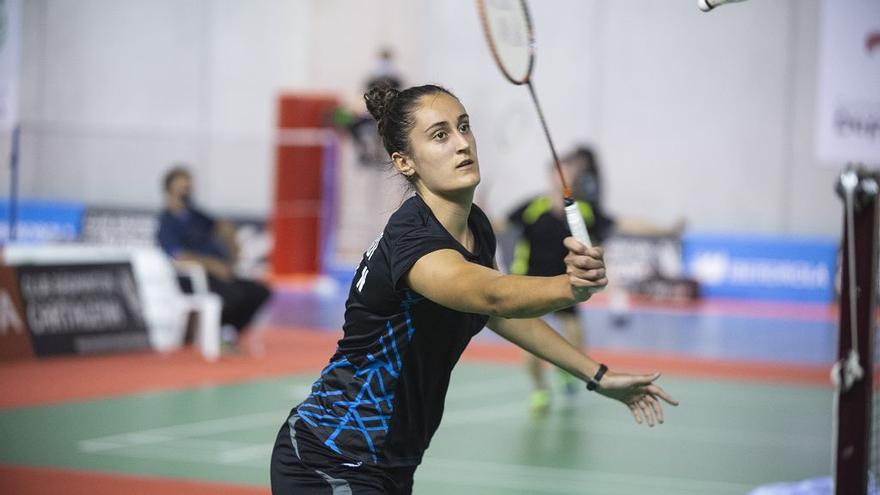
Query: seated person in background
{"x": 189, "y": 235}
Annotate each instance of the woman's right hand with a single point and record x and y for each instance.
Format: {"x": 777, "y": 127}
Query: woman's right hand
{"x": 585, "y": 267}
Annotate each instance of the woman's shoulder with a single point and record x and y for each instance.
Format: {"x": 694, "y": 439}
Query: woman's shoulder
{"x": 414, "y": 215}
{"x": 483, "y": 225}
{"x": 411, "y": 214}
{"x": 480, "y": 216}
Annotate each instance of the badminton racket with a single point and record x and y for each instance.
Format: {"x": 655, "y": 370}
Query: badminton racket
{"x": 508, "y": 28}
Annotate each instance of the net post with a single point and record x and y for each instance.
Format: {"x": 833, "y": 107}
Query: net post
{"x": 852, "y": 452}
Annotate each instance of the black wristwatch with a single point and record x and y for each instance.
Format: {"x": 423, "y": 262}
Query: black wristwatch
{"x": 593, "y": 384}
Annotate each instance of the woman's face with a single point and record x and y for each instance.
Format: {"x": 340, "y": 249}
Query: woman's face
{"x": 443, "y": 151}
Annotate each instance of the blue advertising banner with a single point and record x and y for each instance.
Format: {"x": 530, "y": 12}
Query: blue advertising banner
{"x": 42, "y": 221}
{"x": 762, "y": 267}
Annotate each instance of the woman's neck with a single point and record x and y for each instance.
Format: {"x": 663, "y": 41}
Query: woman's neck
{"x": 452, "y": 212}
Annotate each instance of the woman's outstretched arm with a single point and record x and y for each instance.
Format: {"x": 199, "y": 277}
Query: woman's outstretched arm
{"x": 638, "y": 392}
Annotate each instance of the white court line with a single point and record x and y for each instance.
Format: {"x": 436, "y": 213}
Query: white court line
{"x": 532, "y": 479}
{"x": 479, "y": 473}
{"x": 179, "y": 453}
{"x": 234, "y": 452}
{"x": 245, "y": 421}
{"x": 202, "y": 451}
{"x": 244, "y": 453}
{"x": 248, "y": 454}
{"x": 490, "y": 413}
{"x": 181, "y": 431}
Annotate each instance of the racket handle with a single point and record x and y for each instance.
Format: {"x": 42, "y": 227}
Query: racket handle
{"x": 576, "y": 223}
{"x": 579, "y": 230}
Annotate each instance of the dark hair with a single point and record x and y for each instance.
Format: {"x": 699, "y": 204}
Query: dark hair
{"x": 587, "y": 182}
{"x": 393, "y": 111}
{"x": 175, "y": 172}
{"x": 587, "y": 158}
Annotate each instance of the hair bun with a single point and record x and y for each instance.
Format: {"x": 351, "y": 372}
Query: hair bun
{"x": 379, "y": 100}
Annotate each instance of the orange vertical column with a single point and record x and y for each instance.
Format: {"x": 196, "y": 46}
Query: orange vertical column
{"x": 302, "y": 121}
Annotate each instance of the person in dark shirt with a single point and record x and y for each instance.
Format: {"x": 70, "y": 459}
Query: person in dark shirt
{"x": 187, "y": 234}
{"x": 422, "y": 290}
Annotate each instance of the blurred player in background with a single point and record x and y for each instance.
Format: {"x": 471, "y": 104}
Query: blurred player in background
{"x": 541, "y": 224}
{"x": 539, "y": 252}
{"x": 587, "y": 185}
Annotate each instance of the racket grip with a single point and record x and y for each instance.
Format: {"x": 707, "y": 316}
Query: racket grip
{"x": 576, "y": 223}
{"x": 578, "y": 230}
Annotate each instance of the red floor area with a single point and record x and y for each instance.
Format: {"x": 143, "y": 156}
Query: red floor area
{"x": 37, "y": 382}
{"x": 45, "y": 381}
{"x": 20, "y": 480}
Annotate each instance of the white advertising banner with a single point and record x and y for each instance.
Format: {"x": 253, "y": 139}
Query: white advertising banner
{"x": 848, "y": 110}
{"x": 10, "y": 34}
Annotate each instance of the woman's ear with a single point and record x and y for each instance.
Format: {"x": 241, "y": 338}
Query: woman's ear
{"x": 403, "y": 164}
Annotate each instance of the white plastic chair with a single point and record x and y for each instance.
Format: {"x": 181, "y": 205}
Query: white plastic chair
{"x": 167, "y": 308}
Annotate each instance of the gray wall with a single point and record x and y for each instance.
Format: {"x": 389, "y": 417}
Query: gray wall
{"x": 115, "y": 90}
{"x": 709, "y": 117}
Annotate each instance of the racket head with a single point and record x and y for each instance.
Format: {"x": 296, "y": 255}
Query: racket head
{"x": 508, "y": 29}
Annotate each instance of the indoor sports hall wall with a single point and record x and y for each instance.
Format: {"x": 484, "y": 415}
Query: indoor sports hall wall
{"x": 706, "y": 117}
{"x": 114, "y": 91}
{"x": 701, "y": 116}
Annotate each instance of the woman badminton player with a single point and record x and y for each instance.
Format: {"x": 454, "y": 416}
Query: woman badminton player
{"x": 423, "y": 289}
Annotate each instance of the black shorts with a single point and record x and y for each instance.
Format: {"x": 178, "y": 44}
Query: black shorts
{"x": 302, "y": 464}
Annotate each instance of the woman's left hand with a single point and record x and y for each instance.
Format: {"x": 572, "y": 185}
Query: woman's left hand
{"x": 639, "y": 393}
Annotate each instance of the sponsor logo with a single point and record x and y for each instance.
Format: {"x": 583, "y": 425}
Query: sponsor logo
{"x": 710, "y": 267}
{"x": 717, "y": 268}
{"x": 857, "y": 120}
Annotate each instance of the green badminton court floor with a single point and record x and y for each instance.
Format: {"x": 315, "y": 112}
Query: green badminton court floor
{"x": 725, "y": 438}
